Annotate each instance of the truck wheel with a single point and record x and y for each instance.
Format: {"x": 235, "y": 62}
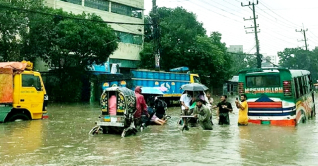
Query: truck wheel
{"x": 18, "y": 116}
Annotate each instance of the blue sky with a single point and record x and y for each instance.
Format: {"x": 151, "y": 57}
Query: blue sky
{"x": 277, "y": 19}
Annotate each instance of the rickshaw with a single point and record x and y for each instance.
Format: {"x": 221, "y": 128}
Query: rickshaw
{"x": 120, "y": 121}
{"x": 197, "y": 90}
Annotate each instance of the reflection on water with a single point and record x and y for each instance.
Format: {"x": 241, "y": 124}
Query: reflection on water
{"x": 63, "y": 140}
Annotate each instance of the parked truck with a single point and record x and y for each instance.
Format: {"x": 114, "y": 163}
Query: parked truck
{"x": 171, "y": 81}
{"x": 22, "y": 92}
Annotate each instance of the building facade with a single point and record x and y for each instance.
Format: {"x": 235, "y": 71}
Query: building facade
{"x": 130, "y": 11}
{"x": 271, "y": 58}
{"x": 235, "y": 48}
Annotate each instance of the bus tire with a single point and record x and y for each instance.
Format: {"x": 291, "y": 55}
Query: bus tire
{"x": 313, "y": 113}
{"x": 303, "y": 119}
{"x": 18, "y": 116}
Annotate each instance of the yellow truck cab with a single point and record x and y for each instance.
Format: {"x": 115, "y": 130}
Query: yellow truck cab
{"x": 22, "y": 92}
{"x": 194, "y": 78}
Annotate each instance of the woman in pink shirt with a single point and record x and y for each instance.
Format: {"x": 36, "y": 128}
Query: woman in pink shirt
{"x": 112, "y": 105}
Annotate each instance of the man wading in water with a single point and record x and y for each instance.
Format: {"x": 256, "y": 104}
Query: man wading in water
{"x": 224, "y": 108}
{"x": 243, "y": 110}
{"x": 203, "y": 114}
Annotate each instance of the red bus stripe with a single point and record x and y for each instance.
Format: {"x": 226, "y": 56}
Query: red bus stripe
{"x": 265, "y": 104}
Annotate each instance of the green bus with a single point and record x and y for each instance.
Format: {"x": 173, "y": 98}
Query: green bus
{"x": 277, "y": 96}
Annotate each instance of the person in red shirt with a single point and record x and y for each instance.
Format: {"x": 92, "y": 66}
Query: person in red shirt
{"x": 141, "y": 106}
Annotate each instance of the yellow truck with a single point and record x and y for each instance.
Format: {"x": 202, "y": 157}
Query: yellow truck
{"x": 22, "y": 92}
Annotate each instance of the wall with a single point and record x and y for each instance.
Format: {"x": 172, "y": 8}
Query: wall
{"x": 125, "y": 51}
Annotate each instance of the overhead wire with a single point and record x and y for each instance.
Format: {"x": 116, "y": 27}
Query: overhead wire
{"x": 279, "y": 15}
{"x": 209, "y": 10}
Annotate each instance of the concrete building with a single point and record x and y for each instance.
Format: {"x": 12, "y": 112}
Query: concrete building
{"x": 235, "y": 48}
{"x": 272, "y": 58}
{"x": 131, "y": 36}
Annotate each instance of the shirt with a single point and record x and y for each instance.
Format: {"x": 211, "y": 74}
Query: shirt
{"x": 141, "y": 105}
{"x": 243, "y": 117}
{"x": 203, "y": 115}
{"x": 112, "y": 105}
{"x": 224, "y": 110}
{"x": 186, "y": 99}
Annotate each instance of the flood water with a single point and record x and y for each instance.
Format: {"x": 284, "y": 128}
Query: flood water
{"x": 63, "y": 139}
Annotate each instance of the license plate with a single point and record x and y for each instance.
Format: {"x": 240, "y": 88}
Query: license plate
{"x": 110, "y": 124}
{"x": 107, "y": 119}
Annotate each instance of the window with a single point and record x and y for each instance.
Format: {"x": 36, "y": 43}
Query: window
{"x": 129, "y": 38}
{"x": 296, "y": 88}
{"x": 126, "y": 10}
{"x": 263, "y": 81}
{"x": 78, "y": 2}
{"x": 97, "y": 4}
{"x": 301, "y": 86}
{"x": 29, "y": 80}
{"x": 196, "y": 79}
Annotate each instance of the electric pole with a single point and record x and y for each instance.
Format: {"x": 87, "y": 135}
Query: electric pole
{"x": 258, "y": 56}
{"x": 156, "y": 34}
{"x": 305, "y": 39}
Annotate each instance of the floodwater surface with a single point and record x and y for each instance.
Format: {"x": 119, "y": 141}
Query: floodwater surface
{"x": 63, "y": 139}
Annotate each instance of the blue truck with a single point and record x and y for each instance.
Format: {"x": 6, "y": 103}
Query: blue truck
{"x": 172, "y": 81}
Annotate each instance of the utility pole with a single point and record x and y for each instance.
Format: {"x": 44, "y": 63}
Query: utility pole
{"x": 258, "y": 55}
{"x": 305, "y": 39}
{"x": 156, "y": 34}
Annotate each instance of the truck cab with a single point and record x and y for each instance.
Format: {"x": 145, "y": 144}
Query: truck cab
{"x": 194, "y": 78}
{"x": 24, "y": 96}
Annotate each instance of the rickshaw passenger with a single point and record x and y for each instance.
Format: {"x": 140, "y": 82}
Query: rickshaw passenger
{"x": 141, "y": 106}
{"x": 156, "y": 120}
{"x": 186, "y": 100}
{"x": 112, "y": 105}
{"x": 161, "y": 107}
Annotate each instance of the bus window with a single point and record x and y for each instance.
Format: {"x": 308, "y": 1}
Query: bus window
{"x": 301, "y": 87}
{"x": 263, "y": 81}
{"x": 296, "y": 88}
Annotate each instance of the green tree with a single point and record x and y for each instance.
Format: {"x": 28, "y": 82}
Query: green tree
{"x": 297, "y": 58}
{"x": 69, "y": 43}
{"x": 77, "y": 42}
{"x": 13, "y": 26}
{"x": 184, "y": 43}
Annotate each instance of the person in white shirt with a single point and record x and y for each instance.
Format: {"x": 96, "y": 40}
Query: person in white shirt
{"x": 185, "y": 100}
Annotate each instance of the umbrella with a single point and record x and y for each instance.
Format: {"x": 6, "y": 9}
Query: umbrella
{"x": 194, "y": 87}
{"x": 151, "y": 90}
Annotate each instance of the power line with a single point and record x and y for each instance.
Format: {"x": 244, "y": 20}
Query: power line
{"x": 215, "y": 12}
{"x": 279, "y": 15}
{"x": 276, "y": 20}
{"x": 74, "y": 18}
{"x": 221, "y": 8}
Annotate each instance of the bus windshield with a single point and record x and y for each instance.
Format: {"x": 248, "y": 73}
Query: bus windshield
{"x": 272, "y": 80}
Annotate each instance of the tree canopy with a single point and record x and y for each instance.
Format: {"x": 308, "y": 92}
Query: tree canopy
{"x": 184, "y": 43}
{"x": 66, "y": 41}
{"x": 297, "y": 58}
{"x": 52, "y": 35}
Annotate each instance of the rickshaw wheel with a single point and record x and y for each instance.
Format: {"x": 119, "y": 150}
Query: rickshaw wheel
{"x": 95, "y": 130}
{"x": 123, "y": 134}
